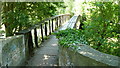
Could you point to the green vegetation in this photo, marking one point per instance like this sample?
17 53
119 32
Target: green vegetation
17 16
100 29
71 38
74 37
2 31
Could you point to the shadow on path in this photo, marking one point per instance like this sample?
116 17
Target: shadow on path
47 54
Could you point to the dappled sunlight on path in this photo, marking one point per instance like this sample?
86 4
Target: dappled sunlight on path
46 55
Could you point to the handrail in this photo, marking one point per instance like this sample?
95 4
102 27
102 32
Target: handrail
41 22
27 40
72 22
37 33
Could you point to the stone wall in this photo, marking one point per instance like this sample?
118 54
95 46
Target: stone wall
0 53
86 56
12 51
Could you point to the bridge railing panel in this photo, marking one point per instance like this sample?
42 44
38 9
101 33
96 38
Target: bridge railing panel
38 33
16 49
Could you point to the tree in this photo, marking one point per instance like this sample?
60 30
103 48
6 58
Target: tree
69 6
21 15
102 28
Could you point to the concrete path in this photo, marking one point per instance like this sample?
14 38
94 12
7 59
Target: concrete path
47 54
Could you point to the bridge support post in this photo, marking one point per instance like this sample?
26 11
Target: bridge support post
42 32
56 22
45 28
49 27
52 25
62 20
30 43
59 21
36 39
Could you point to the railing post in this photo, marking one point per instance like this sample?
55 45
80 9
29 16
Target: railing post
42 32
30 43
49 27
52 25
62 21
75 24
57 22
65 18
36 38
45 28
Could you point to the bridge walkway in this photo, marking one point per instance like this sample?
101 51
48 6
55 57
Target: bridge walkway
47 54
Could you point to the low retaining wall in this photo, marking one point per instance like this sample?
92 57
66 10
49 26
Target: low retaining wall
86 56
0 53
12 51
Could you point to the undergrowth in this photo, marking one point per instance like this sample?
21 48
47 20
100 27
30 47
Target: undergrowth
73 37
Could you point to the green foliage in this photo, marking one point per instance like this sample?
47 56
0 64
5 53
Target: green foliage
101 29
70 38
17 16
47 37
2 31
69 6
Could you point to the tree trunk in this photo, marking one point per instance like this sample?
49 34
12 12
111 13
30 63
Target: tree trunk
6 8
